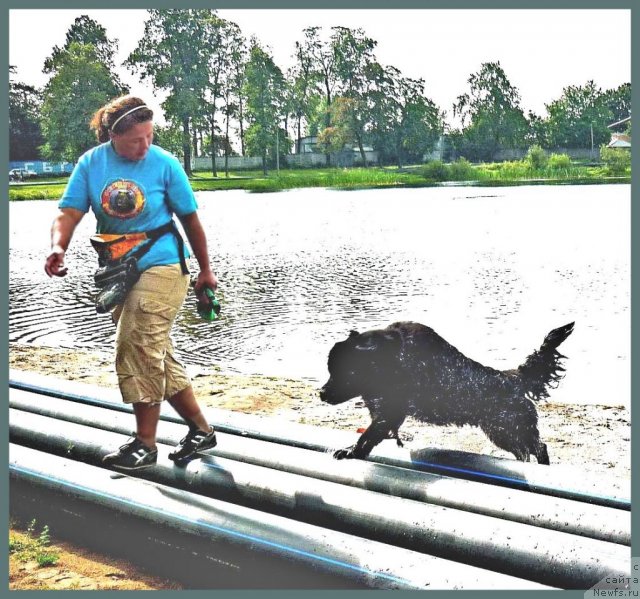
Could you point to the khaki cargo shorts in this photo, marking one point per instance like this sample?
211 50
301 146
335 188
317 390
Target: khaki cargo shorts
146 367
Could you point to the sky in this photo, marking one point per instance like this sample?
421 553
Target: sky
541 51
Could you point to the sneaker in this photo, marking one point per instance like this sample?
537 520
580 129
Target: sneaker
195 441
133 455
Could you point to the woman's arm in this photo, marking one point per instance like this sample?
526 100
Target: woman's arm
198 242
61 233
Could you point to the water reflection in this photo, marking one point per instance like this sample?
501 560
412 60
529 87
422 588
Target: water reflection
298 270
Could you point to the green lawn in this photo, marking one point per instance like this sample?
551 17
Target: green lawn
511 173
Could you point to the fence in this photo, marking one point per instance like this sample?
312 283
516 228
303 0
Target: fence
306 160
203 163
42 168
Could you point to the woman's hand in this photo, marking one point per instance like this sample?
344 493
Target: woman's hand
205 279
54 264
64 224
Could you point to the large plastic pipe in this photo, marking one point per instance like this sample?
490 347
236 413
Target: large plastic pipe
293 545
187 559
544 556
555 480
592 521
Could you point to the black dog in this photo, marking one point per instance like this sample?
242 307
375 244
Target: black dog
407 369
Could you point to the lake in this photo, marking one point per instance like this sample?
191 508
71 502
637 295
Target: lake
492 270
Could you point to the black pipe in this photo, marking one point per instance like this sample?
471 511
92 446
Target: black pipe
539 510
544 556
293 546
182 557
556 480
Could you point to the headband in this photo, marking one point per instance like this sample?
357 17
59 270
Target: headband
125 114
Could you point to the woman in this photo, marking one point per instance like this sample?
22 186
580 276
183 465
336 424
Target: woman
133 186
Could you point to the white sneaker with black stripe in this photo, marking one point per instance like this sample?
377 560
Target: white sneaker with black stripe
133 455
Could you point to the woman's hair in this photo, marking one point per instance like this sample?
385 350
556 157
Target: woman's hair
113 117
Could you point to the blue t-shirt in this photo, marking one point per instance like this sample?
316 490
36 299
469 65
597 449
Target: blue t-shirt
131 196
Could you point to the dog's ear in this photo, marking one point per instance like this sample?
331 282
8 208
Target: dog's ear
367 343
353 334
386 343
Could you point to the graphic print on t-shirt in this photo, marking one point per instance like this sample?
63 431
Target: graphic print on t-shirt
122 199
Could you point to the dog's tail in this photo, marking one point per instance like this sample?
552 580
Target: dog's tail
542 370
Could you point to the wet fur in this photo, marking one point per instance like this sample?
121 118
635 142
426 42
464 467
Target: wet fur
408 369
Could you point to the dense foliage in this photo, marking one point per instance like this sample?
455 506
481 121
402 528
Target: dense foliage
491 115
25 133
225 95
82 80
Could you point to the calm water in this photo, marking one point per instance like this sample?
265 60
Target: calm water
492 270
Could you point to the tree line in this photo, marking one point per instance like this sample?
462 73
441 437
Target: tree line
220 86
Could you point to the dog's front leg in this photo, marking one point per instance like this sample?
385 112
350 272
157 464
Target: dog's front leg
378 430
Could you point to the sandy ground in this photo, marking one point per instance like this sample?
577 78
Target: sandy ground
78 569
595 438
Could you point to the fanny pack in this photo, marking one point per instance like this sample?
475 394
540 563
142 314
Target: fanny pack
114 284
118 257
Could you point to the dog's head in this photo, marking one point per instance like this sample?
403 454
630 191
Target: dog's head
362 364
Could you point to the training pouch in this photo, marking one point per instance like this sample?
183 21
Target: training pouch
117 258
114 283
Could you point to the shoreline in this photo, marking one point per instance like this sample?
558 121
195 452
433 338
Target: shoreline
289 180
594 438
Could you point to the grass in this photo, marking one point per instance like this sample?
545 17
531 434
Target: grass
28 547
434 173
36 192
341 178
519 172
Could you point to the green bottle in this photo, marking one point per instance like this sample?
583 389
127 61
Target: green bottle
209 308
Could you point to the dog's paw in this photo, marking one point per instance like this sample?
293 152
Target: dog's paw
344 454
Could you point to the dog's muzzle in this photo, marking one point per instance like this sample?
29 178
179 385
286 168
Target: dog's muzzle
329 396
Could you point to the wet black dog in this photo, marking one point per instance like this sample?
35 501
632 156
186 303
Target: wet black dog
407 369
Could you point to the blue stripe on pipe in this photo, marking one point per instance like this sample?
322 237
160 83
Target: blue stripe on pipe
209 526
621 502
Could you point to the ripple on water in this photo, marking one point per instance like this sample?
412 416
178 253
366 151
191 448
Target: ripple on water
299 270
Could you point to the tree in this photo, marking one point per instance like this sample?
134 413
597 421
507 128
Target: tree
332 67
80 85
25 134
316 116
491 115
233 82
343 126
407 124
173 54
320 54
618 101
356 70
419 123
82 80
227 52
580 112
303 87
237 102
263 90
537 134
85 31
216 40
168 137
320 57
